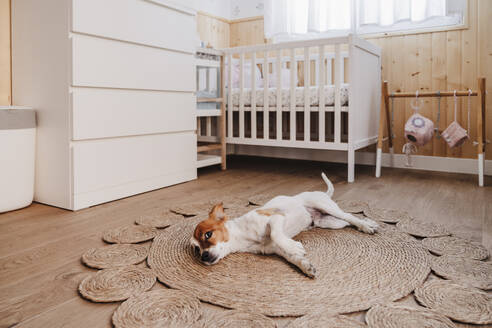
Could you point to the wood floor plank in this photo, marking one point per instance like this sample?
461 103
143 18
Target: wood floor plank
29 298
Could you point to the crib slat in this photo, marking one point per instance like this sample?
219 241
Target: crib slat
266 105
209 126
241 96
253 95
208 87
229 101
329 63
338 79
321 89
199 126
293 74
307 109
279 95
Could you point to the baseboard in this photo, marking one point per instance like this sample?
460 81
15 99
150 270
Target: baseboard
428 163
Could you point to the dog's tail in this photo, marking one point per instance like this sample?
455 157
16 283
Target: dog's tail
331 189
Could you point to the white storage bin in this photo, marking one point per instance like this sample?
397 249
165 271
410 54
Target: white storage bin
17 152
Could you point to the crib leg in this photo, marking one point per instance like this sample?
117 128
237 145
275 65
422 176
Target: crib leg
480 170
378 162
351 165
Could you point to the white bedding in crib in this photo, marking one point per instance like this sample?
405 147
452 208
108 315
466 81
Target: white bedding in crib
299 93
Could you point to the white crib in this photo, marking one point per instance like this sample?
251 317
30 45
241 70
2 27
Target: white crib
336 106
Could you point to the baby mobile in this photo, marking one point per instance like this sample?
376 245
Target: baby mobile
419 130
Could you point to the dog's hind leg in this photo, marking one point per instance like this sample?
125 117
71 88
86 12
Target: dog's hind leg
367 226
326 205
330 222
288 248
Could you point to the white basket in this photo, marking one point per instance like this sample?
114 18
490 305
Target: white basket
17 147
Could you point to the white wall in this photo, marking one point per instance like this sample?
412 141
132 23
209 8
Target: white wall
221 8
231 9
246 8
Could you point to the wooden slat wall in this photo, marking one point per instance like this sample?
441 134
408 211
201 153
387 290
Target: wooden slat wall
247 32
426 61
213 30
5 53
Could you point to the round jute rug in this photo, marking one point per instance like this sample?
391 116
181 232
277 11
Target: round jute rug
236 319
355 271
422 228
465 304
451 245
390 231
129 234
386 215
352 206
325 319
117 284
161 220
466 271
115 255
397 316
158 308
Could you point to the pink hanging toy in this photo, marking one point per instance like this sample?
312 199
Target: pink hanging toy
418 130
454 134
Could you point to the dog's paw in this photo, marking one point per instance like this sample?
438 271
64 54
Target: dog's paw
373 224
369 226
309 270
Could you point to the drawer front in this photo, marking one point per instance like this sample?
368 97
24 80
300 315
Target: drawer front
103 113
138 21
123 163
115 64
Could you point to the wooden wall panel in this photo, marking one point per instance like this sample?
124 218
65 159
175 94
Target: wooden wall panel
439 82
213 30
5 86
443 60
247 32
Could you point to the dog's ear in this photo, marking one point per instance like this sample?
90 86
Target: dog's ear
217 212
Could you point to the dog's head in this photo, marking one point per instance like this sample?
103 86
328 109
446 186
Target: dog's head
210 236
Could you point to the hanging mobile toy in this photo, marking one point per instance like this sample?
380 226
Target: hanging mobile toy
454 134
419 130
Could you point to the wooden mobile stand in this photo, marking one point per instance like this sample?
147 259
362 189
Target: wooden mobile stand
385 116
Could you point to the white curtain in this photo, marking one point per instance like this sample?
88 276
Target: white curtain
305 17
296 17
389 12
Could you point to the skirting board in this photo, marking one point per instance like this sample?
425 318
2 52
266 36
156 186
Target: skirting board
428 163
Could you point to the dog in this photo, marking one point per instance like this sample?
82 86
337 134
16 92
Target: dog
270 228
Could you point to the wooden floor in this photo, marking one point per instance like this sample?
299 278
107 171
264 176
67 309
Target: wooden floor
40 246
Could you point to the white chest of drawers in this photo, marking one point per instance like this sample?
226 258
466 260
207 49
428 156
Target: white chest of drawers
113 85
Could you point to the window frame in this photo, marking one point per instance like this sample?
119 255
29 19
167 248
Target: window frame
373 35
421 30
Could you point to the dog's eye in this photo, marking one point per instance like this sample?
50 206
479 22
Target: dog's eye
208 235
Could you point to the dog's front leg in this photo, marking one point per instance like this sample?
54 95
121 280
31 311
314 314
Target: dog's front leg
289 249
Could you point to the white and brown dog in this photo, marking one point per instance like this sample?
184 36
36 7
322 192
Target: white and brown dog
270 228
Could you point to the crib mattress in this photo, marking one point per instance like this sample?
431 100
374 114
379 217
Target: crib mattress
299 95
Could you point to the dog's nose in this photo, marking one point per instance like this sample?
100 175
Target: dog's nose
205 256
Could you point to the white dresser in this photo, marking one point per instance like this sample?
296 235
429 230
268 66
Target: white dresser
113 85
